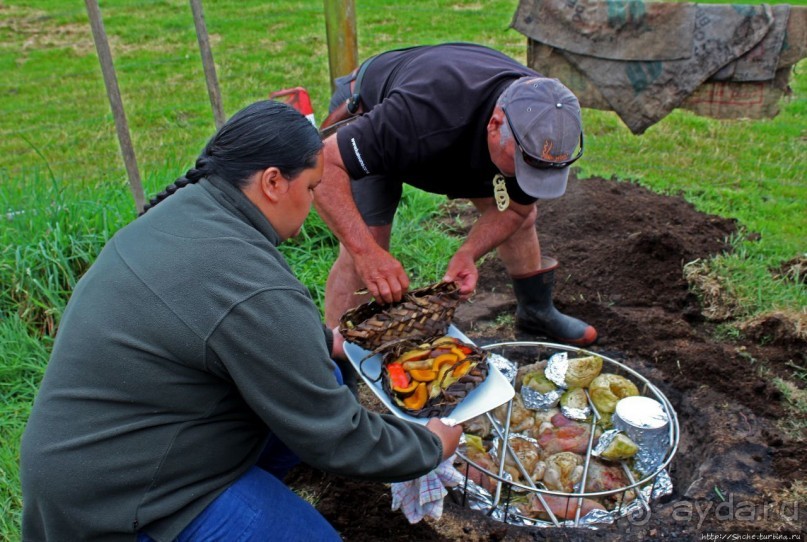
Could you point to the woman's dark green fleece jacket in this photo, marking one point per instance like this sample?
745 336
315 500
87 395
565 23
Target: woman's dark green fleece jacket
185 344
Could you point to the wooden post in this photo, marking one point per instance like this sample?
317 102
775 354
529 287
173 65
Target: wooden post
115 102
207 62
340 28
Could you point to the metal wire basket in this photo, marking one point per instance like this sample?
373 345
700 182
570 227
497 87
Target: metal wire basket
500 503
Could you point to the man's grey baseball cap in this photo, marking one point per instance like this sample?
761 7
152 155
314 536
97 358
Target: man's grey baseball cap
544 117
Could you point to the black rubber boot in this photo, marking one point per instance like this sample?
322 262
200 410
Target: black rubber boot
537 314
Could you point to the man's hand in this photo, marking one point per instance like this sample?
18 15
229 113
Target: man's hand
383 275
462 270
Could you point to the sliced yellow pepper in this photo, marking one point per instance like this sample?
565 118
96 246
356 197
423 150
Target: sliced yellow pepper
459 353
462 369
421 364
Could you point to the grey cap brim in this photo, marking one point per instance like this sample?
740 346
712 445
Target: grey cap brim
540 183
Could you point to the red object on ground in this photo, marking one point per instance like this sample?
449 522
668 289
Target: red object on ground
298 98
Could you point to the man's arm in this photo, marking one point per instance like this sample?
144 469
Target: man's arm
491 229
383 275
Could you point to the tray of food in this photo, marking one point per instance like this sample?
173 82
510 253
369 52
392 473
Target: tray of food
443 376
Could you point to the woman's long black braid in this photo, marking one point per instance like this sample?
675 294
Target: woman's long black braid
263 134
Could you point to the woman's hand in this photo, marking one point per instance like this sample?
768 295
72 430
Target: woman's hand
449 436
338 345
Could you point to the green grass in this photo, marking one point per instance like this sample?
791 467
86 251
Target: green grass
63 187
24 355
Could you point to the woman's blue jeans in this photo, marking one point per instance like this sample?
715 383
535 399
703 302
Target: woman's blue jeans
259 507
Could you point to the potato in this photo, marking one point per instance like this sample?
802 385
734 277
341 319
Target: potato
582 371
607 389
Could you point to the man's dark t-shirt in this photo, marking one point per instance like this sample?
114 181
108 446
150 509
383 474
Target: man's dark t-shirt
427 112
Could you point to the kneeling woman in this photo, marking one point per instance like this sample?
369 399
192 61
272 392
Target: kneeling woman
187 347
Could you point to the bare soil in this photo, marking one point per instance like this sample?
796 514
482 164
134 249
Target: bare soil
622 251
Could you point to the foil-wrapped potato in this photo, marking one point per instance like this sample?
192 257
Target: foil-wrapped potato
574 398
538 381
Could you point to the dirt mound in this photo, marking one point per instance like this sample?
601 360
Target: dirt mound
622 251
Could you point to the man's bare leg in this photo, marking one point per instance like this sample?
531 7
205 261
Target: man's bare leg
533 280
343 280
521 253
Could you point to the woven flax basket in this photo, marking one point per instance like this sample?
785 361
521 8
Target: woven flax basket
421 314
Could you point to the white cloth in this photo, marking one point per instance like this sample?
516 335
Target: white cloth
423 496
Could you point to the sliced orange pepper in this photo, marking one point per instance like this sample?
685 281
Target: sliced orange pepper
423 375
417 400
407 390
444 359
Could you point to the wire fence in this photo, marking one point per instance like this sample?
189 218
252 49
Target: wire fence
33 139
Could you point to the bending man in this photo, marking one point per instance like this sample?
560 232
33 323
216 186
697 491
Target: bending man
461 120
